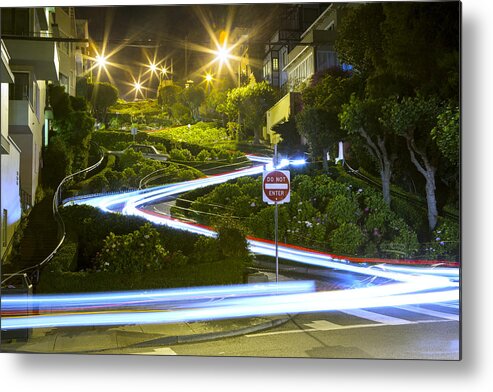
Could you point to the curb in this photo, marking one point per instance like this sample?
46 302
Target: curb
172 340
195 338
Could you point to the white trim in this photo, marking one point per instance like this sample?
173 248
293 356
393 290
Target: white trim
322 15
298 55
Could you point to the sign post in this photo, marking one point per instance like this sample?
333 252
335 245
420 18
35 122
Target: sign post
276 189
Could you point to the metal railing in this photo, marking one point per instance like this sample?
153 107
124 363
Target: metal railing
34 270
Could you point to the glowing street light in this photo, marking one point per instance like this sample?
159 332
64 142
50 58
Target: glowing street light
101 61
137 86
208 78
153 67
223 54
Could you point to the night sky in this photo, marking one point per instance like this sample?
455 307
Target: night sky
169 27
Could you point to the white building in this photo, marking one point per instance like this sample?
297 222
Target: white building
29 61
315 52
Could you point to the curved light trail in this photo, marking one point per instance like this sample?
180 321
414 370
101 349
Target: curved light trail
411 285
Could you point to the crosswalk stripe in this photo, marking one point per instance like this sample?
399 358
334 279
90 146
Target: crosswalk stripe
159 351
377 317
430 312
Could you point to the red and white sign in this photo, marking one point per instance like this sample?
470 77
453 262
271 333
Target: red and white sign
276 187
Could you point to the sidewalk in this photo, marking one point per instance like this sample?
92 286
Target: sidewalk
111 340
119 339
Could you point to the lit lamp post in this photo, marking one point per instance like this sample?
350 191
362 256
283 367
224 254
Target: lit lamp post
48 119
138 88
100 62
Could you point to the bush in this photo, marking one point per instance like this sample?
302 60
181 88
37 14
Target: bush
65 259
342 209
346 239
57 162
224 272
203 156
446 241
178 154
134 252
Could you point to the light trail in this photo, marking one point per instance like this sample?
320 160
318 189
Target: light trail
162 297
416 285
246 307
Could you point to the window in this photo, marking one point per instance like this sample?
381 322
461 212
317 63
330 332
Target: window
275 64
284 58
326 59
15 21
4 228
19 91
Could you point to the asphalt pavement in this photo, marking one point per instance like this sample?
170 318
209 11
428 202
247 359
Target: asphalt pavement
101 339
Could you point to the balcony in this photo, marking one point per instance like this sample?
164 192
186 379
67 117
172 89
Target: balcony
281 112
22 119
6 75
41 55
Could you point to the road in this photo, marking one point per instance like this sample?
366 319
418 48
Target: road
405 312
415 332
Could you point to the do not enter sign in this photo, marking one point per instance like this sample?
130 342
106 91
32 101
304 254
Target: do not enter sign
276 187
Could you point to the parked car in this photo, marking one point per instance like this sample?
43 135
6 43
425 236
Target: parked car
147 151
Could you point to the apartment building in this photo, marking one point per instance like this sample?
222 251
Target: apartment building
292 23
10 202
73 58
29 61
314 52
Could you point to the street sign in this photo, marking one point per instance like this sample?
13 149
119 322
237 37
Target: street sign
133 131
276 187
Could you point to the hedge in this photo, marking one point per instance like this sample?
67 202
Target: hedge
225 272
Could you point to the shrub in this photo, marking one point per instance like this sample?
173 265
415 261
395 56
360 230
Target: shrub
342 209
445 244
57 162
134 252
203 156
65 259
224 272
346 239
181 155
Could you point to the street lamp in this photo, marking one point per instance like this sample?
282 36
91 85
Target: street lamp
153 67
101 61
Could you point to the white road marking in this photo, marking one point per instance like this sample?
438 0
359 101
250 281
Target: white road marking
323 325
379 318
342 327
159 351
430 312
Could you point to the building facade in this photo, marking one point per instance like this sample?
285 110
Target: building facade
314 52
29 61
292 23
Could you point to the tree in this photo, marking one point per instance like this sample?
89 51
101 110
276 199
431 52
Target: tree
312 124
168 95
401 50
248 105
102 96
414 119
446 134
318 122
60 102
361 117
193 97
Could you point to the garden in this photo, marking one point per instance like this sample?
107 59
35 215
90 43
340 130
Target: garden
106 252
